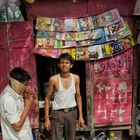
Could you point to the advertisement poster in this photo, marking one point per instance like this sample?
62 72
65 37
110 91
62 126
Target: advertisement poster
113 89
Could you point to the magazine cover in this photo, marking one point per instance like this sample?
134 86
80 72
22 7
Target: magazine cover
117 35
64 36
81 54
40 43
41 33
70 36
59 36
95 52
58 25
56 53
44 42
123 34
83 35
128 42
64 44
117 47
108 18
83 24
71 51
70 25
44 23
83 43
106 50
93 23
58 44
44 52
98 36
117 27
69 44
53 53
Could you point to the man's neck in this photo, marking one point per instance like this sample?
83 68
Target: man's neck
64 75
15 89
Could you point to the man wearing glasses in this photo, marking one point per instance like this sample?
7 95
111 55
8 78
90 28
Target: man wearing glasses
15 103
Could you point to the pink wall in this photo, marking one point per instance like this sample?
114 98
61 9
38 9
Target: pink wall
16 49
66 8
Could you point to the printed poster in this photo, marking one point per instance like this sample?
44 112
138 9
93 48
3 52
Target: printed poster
113 100
113 89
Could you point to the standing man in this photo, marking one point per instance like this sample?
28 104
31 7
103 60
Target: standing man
14 109
66 88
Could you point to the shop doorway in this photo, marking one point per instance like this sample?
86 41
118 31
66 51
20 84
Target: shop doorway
47 67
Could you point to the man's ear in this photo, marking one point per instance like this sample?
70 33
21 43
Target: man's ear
58 65
11 79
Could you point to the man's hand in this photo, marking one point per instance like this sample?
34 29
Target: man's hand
47 123
81 122
28 99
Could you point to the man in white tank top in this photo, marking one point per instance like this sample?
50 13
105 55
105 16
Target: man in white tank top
67 99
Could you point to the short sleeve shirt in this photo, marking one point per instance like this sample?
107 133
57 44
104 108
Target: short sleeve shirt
11 108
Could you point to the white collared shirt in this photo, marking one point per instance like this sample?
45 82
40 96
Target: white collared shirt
11 108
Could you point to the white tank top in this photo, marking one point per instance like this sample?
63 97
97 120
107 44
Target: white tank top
64 98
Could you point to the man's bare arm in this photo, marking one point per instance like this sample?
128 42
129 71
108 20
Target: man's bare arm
28 102
47 102
79 100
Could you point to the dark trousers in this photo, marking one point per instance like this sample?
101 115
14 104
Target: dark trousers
63 123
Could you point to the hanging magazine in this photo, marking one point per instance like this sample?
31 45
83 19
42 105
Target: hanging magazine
108 18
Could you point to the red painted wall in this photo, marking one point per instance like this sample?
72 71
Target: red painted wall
66 8
16 49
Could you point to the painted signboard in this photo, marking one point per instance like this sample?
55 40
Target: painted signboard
113 89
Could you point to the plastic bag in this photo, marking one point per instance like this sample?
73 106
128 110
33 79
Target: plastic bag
101 136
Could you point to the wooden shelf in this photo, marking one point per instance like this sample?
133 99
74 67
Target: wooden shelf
113 128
